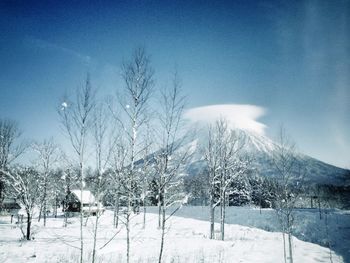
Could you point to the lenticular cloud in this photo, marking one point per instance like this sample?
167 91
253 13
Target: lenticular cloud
238 116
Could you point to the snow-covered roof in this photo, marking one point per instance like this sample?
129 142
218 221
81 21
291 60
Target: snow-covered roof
88 197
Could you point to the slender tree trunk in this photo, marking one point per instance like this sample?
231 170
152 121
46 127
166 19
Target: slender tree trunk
289 233
222 220
45 212
130 190
128 213
144 193
290 247
144 214
65 219
319 207
128 237
312 205
159 207
96 222
162 238
45 204
40 212
163 230
118 204
81 213
260 201
221 210
56 204
222 182
284 247
129 210
29 222
2 188
212 213
95 237
116 211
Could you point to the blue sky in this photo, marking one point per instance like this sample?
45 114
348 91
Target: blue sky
291 58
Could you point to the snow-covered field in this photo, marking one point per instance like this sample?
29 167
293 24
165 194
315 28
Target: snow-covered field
331 230
186 241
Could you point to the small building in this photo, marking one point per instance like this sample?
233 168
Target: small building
10 206
73 201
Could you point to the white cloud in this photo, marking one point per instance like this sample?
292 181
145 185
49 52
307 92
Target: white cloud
39 43
241 116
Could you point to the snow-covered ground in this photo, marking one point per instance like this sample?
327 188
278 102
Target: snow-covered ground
186 241
332 229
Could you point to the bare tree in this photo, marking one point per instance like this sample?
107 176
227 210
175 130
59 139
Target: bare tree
138 78
225 163
104 145
290 172
171 156
77 120
25 185
146 170
48 156
10 150
213 166
117 164
234 164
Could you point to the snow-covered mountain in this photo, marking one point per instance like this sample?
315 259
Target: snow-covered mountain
244 118
261 149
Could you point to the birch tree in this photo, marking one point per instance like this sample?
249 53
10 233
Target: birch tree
234 169
171 156
104 144
147 170
290 172
76 118
213 166
10 149
47 157
137 74
225 163
117 164
25 183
